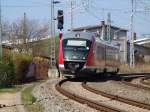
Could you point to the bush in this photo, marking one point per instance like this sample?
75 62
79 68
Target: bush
7 72
41 69
22 62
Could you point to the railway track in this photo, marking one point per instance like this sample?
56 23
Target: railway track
115 97
142 83
94 103
145 82
136 85
83 100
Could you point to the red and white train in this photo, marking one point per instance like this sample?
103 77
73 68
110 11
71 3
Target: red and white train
83 51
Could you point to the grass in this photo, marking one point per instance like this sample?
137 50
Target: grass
27 96
140 68
11 89
28 99
34 108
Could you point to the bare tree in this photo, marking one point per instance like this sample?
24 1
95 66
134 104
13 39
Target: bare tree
22 32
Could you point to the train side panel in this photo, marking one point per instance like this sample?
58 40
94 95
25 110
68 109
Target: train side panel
104 58
90 62
100 56
112 58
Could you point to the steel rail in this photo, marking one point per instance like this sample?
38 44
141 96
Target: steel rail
116 97
136 85
82 100
143 81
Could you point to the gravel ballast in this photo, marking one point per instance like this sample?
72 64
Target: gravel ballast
120 89
77 89
52 101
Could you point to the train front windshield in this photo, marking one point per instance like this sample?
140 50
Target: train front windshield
76 49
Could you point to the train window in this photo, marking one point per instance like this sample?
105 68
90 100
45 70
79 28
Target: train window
76 43
76 49
112 53
100 52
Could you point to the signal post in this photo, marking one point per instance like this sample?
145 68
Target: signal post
60 20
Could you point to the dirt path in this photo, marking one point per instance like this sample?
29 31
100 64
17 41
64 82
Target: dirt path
7 98
20 108
10 99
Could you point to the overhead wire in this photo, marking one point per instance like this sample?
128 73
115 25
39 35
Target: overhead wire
30 2
98 11
141 17
25 4
93 15
94 10
22 6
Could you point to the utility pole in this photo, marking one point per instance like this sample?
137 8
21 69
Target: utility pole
24 29
108 26
71 4
1 32
52 32
132 59
103 14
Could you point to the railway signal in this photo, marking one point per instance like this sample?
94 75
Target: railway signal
60 19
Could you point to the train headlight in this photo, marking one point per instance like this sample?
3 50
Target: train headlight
87 48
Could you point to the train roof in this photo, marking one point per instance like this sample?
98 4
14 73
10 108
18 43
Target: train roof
89 36
85 35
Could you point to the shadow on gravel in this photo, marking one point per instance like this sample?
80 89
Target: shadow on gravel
95 78
105 77
135 74
131 76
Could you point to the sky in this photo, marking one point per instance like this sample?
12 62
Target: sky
85 12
